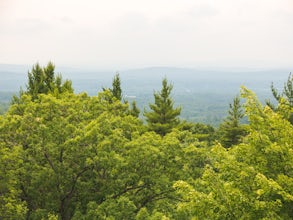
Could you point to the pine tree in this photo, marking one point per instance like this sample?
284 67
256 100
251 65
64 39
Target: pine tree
134 110
116 87
49 75
163 116
36 80
231 130
43 81
286 94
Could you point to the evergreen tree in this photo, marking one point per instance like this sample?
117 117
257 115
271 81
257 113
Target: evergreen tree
134 110
163 116
43 81
116 87
116 91
286 94
231 130
49 75
36 80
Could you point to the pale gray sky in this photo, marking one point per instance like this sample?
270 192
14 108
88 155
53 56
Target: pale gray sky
140 33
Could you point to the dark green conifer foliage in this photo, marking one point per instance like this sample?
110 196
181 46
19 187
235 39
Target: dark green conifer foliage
36 81
116 87
49 75
43 81
134 110
288 90
286 94
231 130
163 116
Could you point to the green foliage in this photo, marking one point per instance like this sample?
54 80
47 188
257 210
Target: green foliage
203 132
117 93
57 151
163 116
43 81
3 107
286 96
116 90
72 156
134 110
116 87
11 205
248 181
120 208
287 92
231 130
79 150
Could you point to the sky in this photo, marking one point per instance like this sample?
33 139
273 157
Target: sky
120 34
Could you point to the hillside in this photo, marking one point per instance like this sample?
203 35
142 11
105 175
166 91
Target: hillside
203 94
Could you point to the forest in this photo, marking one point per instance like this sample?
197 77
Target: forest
67 155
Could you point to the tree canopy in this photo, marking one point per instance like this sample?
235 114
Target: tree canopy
42 80
74 156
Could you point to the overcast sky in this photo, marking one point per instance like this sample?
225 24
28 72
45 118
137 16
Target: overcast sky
140 33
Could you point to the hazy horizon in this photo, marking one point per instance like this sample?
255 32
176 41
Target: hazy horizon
203 95
75 68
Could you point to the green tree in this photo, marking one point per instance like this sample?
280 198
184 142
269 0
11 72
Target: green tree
11 204
203 132
162 116
42 80
286 94
231 130
84 156
71 147
73 156
253 180
116 91
134 110
116 87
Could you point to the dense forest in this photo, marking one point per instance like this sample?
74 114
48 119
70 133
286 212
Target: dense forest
75 156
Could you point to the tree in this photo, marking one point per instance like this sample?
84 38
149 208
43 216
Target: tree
163 116
252 180
286 94
11 205
70 147
203 132
116 87
134 110
116 91
42 80
74 156
231 131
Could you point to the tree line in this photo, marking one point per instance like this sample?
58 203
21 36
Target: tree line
74 156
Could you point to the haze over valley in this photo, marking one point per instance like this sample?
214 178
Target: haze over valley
204 95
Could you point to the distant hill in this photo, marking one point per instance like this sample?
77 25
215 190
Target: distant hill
203 94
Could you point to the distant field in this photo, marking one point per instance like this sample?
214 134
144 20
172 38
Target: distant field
203 95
